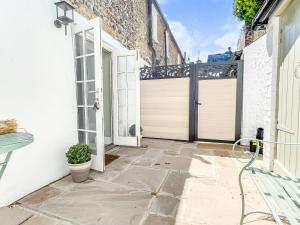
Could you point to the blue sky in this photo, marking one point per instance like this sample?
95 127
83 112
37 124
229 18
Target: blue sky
202 27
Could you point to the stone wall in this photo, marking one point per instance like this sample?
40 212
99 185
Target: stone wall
127 21
248 36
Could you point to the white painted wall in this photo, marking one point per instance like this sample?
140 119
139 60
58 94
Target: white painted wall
257 79
258 104
37 87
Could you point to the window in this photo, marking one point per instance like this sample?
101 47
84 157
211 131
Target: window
167 44
154 23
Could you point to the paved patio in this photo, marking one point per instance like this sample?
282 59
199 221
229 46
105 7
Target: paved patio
166 183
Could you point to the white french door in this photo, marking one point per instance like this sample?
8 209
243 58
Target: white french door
126 92
87 53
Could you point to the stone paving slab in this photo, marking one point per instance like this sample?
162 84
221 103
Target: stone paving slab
161 144
64 184
149 158
100 203
175 183
41 220
194 152
215 204
164 205
203 166
38 198
173 163
172 151
130 152
113 170
13 216
158 220
142 178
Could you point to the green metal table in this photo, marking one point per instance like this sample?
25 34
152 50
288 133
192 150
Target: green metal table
11 142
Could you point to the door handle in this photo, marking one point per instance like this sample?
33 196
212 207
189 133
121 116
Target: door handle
96 105
96 92
92 92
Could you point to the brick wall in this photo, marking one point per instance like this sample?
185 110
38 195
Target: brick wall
127 21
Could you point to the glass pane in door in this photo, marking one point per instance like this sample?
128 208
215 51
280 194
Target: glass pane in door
107 96
126 88
90 68
86 91
89 41
78 44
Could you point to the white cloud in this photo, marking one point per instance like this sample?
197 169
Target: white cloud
197 45
232 30
188 41
227 40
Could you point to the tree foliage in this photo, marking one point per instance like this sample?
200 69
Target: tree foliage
246 9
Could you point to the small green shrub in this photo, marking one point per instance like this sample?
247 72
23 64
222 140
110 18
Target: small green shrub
79 153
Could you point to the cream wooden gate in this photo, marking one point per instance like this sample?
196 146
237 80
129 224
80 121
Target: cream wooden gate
165 102
218 97
288 126
217 112
170 97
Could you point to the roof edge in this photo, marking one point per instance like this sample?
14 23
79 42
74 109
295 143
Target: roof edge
264 13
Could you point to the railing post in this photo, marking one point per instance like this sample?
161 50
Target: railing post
192 103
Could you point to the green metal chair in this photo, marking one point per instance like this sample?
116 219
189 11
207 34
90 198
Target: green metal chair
280 193
11 142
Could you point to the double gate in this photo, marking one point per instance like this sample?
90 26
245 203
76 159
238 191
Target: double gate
192 101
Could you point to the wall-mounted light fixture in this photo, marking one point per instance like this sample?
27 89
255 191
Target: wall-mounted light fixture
64 14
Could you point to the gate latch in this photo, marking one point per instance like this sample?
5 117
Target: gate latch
198 103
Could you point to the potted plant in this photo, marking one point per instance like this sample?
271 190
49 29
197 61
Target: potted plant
79 159
132 130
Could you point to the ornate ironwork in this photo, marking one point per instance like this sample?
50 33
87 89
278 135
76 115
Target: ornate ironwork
165 72
216 70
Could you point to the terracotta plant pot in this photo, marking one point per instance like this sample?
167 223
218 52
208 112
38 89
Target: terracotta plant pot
80 172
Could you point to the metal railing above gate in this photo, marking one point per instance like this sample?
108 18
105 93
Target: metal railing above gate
215 70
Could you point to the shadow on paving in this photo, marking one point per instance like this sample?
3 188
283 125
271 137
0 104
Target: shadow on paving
167 183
